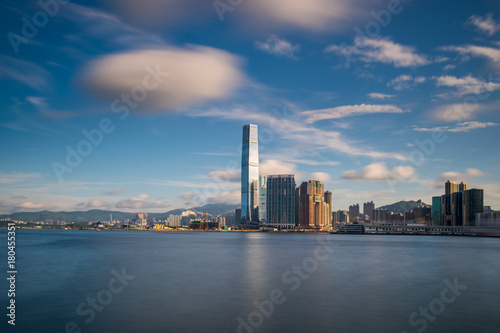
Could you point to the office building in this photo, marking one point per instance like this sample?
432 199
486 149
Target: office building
262 198
280 203
250 175
237 216
436 211
450 187
368 208
314 211
459 208
353 212
329 208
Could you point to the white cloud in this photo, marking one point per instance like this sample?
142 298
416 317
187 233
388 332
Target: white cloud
277 46
139 202
275 167
311 15
467 85
457 112
405 82
459 176
31 205
230 175
484 24
449 66
381 50
323 176
379 171
178 81
228 197
380 96
460 127
493 54
115 191
349 111
17 177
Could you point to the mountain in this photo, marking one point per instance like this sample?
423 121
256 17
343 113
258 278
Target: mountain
403 206
103 215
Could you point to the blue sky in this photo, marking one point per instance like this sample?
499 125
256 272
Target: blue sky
139 106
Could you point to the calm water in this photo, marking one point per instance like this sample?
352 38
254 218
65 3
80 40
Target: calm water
212 282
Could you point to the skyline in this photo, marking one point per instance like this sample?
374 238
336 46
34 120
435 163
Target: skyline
380 102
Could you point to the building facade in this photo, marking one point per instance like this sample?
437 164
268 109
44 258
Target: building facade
314 210
459 208
250 175
262 198
368 208
353 212
280 203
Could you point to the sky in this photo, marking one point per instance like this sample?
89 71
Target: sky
139 106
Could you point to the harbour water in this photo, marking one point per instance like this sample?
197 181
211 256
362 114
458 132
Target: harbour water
126 281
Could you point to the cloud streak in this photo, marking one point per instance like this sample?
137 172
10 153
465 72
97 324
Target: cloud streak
381 50
349 111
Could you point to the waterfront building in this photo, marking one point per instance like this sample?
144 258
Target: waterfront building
353 212
314 211
436 210
250 175
368 208
280 203
262 198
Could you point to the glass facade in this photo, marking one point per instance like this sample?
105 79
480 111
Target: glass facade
281 201
250 174
436 210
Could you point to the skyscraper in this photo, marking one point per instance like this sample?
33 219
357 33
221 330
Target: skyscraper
262 198
250 174
450 187
313 208
280 208
329 208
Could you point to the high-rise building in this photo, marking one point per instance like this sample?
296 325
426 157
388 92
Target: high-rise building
462 187
329 208
450 187
312 204
459 208
280 208
368 208
237 216
353 212
250 175
262 198
436 211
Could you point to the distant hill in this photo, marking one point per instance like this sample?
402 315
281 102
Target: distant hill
403 206
103 215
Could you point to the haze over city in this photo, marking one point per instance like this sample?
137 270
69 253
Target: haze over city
120 106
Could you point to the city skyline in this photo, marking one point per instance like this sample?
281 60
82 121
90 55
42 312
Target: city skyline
102 109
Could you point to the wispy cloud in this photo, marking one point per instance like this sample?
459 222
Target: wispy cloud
382 50
349 111
460 127
379 171
296 131
25 72
405 82
491 53
17 177
380 96
278 46
484 24
467 84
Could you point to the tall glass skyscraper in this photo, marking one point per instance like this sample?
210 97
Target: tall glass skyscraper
250 175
